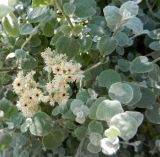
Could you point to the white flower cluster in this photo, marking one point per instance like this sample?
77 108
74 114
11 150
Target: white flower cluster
64 71
27 88
29 94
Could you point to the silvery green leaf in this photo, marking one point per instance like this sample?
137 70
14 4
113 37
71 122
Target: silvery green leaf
27 29
155 73
5 138
94 106
95 138
39 14
155 34
126 124
69 8
41 124
135 24
122 39
155 45
123 65
112 15
131 7
141 64
106 45
93 149
95 126
85 8
122 92
83 95
148 99
108 77
53 139
137 95
67 45
107 109
80 132
80 117
75 105
137 116
153 115
4 10
24 127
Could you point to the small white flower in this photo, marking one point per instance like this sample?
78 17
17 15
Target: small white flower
19 83
61 97
57 69
70 78
109 145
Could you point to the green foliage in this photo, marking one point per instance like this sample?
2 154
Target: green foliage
116 94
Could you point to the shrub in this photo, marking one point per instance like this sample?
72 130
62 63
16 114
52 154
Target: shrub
79 78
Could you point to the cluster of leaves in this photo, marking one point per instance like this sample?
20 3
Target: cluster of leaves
118 44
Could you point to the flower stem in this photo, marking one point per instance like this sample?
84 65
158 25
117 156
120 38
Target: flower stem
29 38
60 6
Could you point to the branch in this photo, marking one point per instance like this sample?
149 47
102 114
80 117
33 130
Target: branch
151 11
156 60
95 66
79 149
10 69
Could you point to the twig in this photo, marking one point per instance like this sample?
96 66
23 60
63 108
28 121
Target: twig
93 67
10 69
156 60
96 65
150 10
79 149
